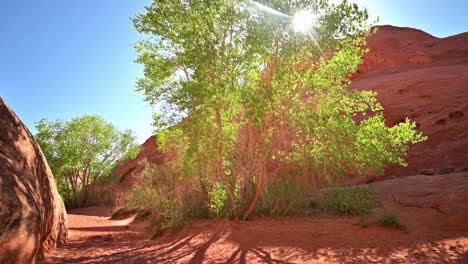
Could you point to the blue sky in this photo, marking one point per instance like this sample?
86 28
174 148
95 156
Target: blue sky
66 58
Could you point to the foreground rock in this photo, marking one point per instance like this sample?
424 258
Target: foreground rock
438 202
32 215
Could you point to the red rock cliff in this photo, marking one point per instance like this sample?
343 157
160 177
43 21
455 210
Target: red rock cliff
424 78
149 151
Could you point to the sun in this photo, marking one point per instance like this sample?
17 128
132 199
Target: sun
303 21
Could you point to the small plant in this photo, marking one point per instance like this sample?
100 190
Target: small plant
391 220
343 200
363 222
219 201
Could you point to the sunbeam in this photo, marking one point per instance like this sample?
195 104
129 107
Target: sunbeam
269 10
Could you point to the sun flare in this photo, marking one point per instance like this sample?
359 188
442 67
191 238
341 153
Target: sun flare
303 21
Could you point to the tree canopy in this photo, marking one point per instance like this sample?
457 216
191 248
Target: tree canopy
245 99
81 151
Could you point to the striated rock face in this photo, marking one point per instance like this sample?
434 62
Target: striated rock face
32 215
436 202
424 78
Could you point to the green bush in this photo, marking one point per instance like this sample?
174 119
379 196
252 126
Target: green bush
344 200
110 178
391 220
170 201
219 201
284 196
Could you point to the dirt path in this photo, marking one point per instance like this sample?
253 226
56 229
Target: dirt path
96 239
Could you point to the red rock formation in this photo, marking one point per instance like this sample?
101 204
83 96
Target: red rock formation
438 202
149 151
424 78
32 215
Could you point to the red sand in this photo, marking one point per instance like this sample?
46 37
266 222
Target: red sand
96 239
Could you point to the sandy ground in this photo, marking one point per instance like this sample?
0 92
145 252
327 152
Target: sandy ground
96 239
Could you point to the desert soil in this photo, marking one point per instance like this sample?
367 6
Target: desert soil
94 238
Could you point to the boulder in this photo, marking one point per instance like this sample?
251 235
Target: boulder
32 214
437 202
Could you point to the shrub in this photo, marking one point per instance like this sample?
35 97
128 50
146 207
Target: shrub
345 200
391 220
110 178
363 222
219 201
170 201
100 196
284 196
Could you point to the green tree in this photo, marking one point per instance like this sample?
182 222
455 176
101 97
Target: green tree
81 151
238 89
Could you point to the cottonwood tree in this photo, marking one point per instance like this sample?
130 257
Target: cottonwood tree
81 151
237 89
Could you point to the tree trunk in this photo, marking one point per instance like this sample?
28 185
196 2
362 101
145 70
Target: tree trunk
260 181
75 188
220 166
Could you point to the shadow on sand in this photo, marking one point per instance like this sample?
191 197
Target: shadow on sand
276 242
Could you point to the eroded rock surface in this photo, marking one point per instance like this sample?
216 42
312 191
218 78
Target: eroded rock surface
436 201
32 215
424 78
149 151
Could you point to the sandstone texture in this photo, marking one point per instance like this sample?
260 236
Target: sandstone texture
149 152
438 202
425 79
32 214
